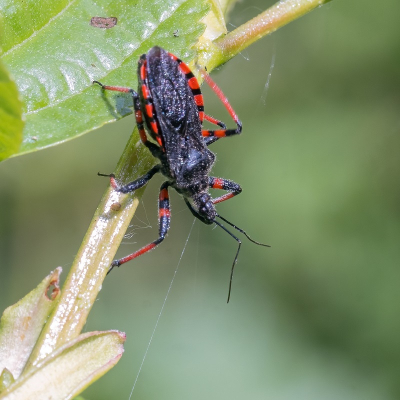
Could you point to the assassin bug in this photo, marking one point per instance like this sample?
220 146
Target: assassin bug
169 104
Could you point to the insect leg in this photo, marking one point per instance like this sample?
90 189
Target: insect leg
214 121
134 185
164 220
224 184
222 97
212 136
138 114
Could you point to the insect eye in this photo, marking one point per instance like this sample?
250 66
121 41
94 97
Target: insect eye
204 199
206 205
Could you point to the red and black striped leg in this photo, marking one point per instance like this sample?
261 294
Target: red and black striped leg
222 97
164 220
225 184
206 133
212 136
214 121
118 89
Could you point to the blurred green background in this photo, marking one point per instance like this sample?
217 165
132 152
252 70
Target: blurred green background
317 316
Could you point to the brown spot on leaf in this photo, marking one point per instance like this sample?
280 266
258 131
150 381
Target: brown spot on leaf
52 290
103 22
25 322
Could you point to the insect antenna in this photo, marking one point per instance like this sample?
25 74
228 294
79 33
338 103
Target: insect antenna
239 244
235 259
242 231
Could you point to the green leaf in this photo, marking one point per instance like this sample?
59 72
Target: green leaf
22 323
215 22
70 369
11 123
55 54
6 379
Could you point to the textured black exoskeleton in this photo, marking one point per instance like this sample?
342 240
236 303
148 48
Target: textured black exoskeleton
170 105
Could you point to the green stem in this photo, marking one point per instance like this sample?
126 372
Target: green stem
280 14
95 255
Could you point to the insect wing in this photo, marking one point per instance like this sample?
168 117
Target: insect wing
174 107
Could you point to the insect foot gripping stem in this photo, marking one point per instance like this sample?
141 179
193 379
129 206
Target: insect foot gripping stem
113 182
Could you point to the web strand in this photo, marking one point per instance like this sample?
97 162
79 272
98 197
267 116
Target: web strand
271 68
161 311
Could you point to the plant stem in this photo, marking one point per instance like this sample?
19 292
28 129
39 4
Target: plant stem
95 255
280 14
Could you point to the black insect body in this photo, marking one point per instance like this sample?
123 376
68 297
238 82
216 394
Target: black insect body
169 104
